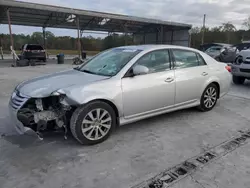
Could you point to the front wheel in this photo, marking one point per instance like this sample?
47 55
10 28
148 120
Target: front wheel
209 98
93 122
238 80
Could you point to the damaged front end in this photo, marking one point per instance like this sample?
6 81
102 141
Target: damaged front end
42 114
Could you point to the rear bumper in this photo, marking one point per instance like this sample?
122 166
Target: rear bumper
34 56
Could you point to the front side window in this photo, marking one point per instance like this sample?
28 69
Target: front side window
185 58
156 61
110 62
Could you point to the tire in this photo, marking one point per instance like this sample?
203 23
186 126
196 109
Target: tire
238 60
238 80
212 92
92 123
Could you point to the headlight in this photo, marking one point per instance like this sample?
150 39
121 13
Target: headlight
60 94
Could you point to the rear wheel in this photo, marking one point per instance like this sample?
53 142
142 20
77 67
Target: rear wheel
93 122
238 80
209 98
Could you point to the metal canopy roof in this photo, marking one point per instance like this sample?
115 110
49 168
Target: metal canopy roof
31 14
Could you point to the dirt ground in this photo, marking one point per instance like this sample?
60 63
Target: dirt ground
134 153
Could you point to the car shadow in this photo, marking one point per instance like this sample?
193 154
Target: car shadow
27 141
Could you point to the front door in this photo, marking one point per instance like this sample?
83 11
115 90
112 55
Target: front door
151 92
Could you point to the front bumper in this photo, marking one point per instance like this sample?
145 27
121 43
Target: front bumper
17 124
236 71
17 100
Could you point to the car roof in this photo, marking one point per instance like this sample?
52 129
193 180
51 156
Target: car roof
214 44
154 47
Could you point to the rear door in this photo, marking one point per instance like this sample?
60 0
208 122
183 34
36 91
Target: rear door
191 72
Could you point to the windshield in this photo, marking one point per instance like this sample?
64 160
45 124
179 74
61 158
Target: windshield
110 62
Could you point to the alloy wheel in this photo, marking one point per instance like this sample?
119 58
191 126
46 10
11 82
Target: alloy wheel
96 124
210 97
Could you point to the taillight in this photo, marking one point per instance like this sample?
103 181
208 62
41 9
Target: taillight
228 68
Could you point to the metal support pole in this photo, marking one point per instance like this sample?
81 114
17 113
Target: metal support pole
78 35
11 37
203 29
44 40
1 47
190 40
144 38
1 51
157 36
172 37
162 34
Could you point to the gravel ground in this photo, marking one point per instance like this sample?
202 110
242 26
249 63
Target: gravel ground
132 154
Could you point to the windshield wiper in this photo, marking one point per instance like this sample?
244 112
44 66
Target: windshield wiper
76 68
87 71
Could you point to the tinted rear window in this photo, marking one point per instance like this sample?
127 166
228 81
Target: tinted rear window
34 47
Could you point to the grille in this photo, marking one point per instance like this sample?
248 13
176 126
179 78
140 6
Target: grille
17 100
245 70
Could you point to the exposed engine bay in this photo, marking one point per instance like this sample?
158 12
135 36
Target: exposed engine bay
45 114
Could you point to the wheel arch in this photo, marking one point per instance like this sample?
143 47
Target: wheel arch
218 87
110 103
212 80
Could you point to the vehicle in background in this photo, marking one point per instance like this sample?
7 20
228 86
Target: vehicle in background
204 47
214 51
227 55
241 67
119 86
242 46
33 52
230 53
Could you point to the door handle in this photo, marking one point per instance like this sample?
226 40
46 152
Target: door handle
204 74
169 80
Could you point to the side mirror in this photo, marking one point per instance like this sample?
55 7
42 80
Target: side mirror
140 69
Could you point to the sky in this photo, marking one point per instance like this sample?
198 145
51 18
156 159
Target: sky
184 11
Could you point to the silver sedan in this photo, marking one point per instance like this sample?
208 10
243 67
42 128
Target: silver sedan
117 87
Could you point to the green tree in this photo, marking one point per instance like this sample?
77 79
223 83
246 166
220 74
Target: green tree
228 28
37 38
195 30
246 23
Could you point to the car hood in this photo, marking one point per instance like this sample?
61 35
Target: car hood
43 86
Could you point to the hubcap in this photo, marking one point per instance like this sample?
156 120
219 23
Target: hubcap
96 124
210 97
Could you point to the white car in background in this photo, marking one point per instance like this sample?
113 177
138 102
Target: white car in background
241 67
117 87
